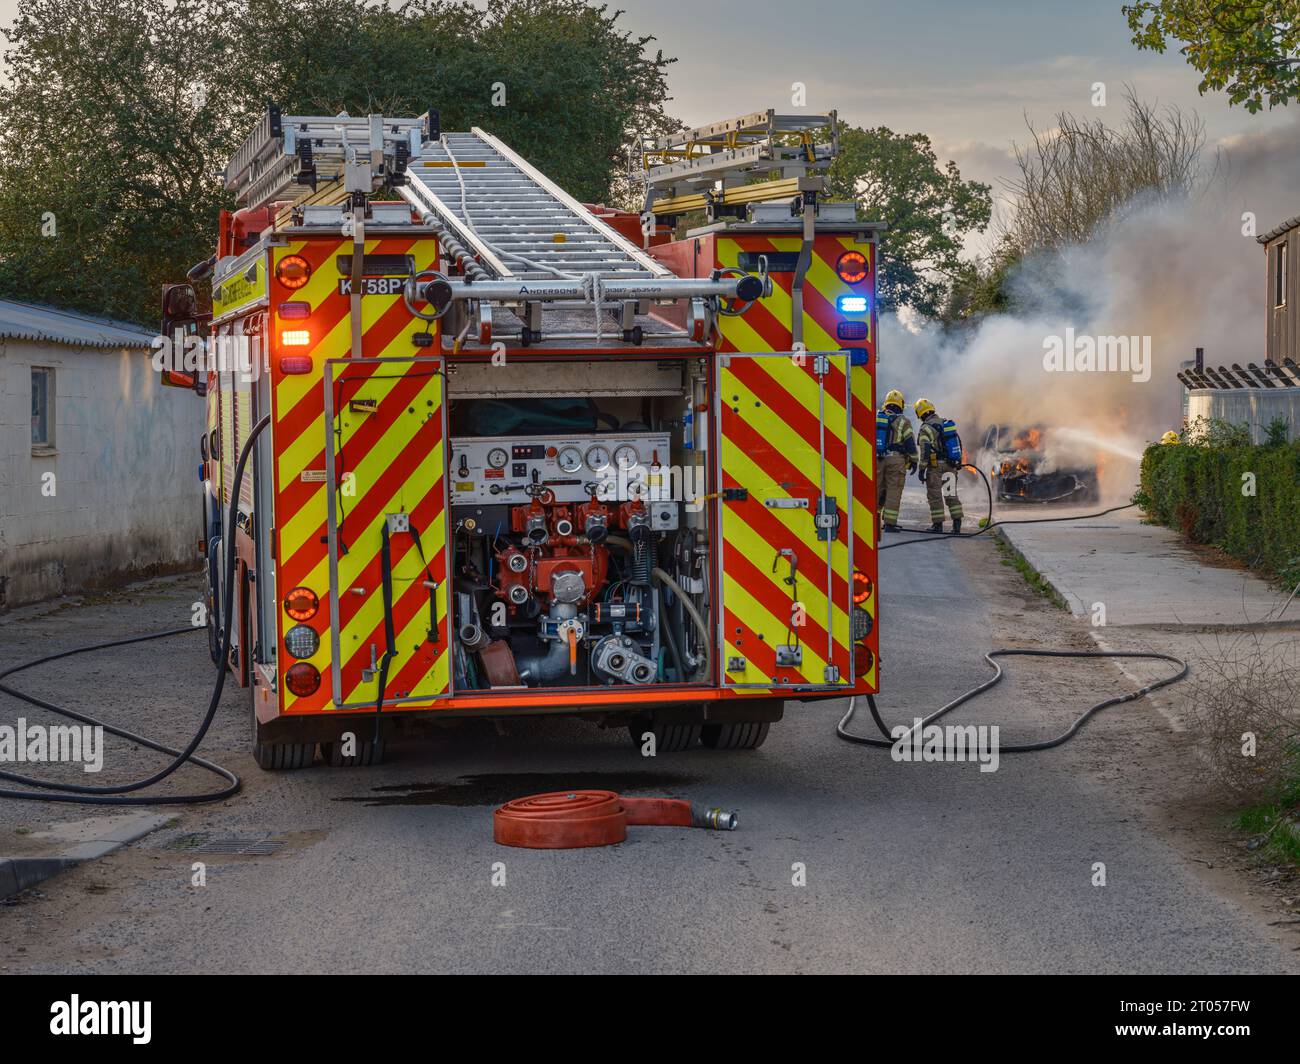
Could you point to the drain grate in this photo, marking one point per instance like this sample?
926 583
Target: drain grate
229 845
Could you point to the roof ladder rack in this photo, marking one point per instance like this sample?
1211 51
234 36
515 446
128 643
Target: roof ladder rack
293 158
717 165
516 221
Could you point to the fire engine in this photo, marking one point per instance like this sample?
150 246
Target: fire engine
526 455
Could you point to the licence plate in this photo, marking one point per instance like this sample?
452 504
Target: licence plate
373 286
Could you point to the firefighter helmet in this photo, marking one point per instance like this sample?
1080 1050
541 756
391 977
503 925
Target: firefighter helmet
923 407
1169 437
895 398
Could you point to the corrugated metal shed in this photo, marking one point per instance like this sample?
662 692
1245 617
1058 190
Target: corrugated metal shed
30 321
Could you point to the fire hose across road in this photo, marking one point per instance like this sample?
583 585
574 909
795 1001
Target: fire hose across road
895 736
557 820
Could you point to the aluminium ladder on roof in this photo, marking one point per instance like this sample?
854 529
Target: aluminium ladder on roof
720 163
520 240
751 144
288 158
520 224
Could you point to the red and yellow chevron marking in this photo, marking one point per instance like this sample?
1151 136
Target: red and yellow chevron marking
766 327
242 398
229 451
391 458
300 437
771 443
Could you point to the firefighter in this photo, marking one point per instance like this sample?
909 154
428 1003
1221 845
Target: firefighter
896 455
1169 437
936 465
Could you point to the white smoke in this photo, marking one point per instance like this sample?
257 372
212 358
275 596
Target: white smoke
1184 274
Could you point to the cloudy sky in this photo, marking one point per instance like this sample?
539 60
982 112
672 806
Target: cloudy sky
966 72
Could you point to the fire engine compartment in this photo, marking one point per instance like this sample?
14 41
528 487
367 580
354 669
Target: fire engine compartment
579 526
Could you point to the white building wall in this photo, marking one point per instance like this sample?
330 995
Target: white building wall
1255 407
124 499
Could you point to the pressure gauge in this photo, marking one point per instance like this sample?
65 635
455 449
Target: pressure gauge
597 458
570 459
497 458
626 456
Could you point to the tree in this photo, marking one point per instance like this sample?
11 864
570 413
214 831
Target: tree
1248 48
896 178
110 139
1076 177
981 285
557 80
120 116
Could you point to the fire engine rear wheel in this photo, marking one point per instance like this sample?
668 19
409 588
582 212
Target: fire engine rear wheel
369 752
669 738
277 756
743 735
215 631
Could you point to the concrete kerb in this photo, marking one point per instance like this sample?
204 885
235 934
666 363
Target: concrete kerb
20 873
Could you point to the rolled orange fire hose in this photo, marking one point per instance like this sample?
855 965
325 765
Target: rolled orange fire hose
565 820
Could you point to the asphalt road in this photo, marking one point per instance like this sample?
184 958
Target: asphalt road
906 867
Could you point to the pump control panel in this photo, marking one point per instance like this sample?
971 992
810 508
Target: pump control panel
516 469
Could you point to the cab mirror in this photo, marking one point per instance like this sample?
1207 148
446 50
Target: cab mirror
173 379
180 307
181 317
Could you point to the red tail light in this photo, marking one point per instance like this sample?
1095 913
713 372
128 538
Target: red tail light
301 604
302 679
293 271
861 587
852 267
863 660
291 364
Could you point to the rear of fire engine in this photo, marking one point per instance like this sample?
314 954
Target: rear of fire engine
524 455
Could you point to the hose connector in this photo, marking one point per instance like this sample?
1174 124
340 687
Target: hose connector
713 819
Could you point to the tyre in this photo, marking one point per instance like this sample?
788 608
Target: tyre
368 752
275 757
669 738
743 735
215 631
278 757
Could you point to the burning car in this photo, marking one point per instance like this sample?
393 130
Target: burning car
1037 465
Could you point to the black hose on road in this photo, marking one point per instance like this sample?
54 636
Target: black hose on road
1007 652
888 742
929 537
119 794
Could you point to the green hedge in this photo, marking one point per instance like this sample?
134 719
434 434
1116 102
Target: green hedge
1197 488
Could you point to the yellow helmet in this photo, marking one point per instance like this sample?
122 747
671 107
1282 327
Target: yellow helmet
1169 437
923 407
895 398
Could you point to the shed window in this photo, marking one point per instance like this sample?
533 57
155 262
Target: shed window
1279 274
42 407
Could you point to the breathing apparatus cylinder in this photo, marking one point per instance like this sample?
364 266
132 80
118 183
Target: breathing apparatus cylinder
884 423
952 448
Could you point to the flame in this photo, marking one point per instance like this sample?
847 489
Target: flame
1029 440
